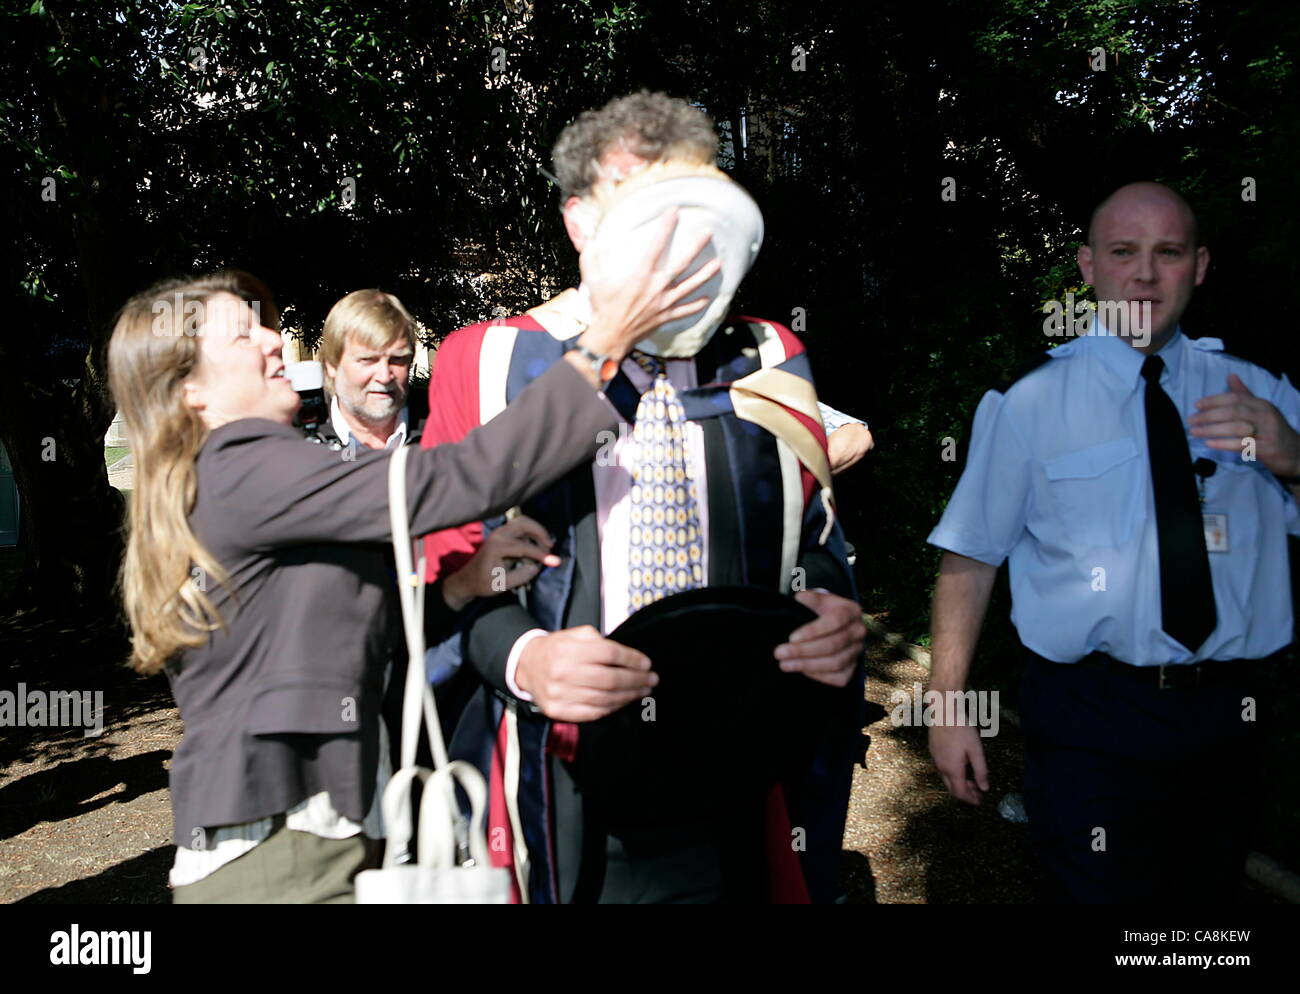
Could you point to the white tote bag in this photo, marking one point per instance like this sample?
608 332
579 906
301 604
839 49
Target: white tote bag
438 877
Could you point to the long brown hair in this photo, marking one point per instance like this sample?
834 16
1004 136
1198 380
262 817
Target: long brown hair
154 349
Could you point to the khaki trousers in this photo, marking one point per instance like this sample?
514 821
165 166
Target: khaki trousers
288 867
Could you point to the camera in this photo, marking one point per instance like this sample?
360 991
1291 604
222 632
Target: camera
308 378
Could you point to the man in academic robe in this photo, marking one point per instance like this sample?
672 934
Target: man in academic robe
719 477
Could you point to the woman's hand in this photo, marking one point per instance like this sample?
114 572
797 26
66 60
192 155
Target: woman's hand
626 311
509 557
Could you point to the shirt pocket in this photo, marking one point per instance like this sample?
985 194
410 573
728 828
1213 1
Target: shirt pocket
1242 491
1094 492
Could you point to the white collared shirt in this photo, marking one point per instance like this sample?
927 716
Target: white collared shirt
1058 480
344 431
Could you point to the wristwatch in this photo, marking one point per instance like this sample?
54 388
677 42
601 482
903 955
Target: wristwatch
603 366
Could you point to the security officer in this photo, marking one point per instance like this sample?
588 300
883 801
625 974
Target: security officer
1142 485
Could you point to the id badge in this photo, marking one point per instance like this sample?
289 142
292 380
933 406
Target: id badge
1216 531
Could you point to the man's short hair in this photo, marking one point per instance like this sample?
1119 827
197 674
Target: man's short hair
1193 222
372 317
653 126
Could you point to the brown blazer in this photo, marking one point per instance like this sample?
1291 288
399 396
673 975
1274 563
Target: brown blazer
284 701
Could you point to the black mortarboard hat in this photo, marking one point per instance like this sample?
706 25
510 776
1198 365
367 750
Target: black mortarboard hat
724 722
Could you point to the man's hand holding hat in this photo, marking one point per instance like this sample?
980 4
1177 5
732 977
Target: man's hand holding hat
826 650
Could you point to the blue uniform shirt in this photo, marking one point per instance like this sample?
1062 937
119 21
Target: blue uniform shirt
1058 479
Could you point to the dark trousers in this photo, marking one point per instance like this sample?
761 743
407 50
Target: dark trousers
681 870
1137 794
717 860
711 863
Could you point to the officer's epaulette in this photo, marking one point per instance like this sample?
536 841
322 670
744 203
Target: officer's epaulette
1001 385
1215 345
1007 380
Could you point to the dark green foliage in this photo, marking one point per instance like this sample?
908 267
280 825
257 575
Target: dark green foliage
187 136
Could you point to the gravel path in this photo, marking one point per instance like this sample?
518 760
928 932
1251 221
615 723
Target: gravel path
907 841
87 820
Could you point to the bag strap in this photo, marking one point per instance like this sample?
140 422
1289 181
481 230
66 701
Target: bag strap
440 826
418 700
443 830
398 808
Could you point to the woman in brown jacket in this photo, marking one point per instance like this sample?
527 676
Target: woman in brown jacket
256 574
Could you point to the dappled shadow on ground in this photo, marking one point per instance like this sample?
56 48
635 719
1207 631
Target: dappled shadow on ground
970 854
933 848
857 883
73 805
141 880
126 701
78 787
40 653
35 633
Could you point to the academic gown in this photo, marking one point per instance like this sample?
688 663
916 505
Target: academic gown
766 513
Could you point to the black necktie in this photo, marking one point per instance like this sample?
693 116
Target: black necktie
1186 591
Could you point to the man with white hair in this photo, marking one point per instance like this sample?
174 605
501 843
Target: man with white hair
722 439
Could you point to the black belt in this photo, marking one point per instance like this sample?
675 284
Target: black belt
1171 676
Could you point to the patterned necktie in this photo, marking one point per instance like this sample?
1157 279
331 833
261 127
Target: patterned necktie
1187 610
666 552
